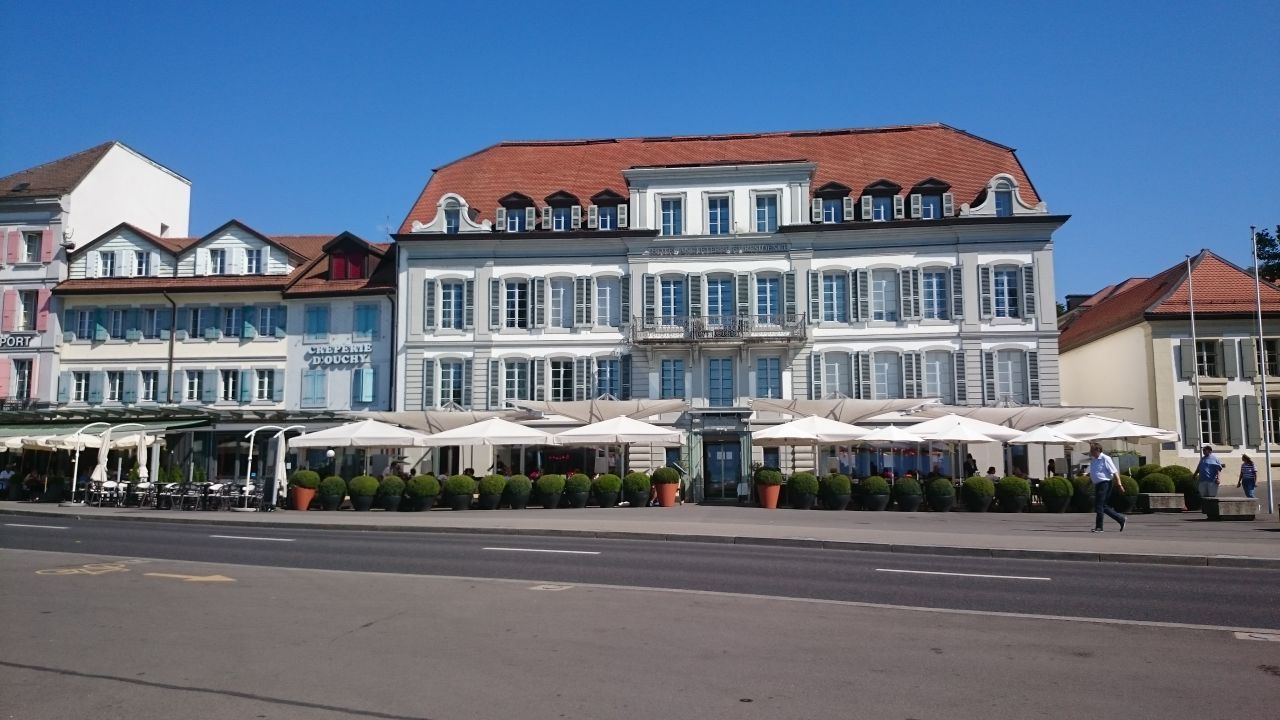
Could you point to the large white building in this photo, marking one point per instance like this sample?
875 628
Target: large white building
44 212
902 262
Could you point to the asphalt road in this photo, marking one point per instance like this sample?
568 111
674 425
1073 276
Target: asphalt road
1210 596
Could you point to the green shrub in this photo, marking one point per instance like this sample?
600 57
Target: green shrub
665 476
768 476
1130 485
1013 487
803 483
460 485
577 483
837 484
941 487
391 486
308 479
333 485
635 482
608 483
978 485
906 487
1144 470
1156 483
1058 487
493 484
875 485
1184 480
363 486
1082 485
423 486
551 484
519 485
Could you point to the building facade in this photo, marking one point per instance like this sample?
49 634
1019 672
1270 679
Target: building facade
44 211
911 262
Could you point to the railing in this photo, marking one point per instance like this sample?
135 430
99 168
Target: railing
727 328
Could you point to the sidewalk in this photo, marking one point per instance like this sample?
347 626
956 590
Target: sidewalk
1183 539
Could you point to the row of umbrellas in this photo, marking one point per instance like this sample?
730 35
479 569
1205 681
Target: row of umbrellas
620 430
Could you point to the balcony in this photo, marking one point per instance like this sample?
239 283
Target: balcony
719 330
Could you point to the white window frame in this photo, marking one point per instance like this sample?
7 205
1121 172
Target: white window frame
1006 289
560 302
885 295
148 384
515 380
453 382
776 197
31 247
141 263
662 215
253 261
938 374
218 261
266 317
20 389
79 386
264 384
453 300
834 305
560 379
115 323
935 306
107 264
886 372
113 390
85 324
515 303
27 310
561 218
1011 375
725 222
769 289
608 301
667 286
725 298
195 385
229 385
678 367
771 370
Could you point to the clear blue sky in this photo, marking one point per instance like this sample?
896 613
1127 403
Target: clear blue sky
1156 125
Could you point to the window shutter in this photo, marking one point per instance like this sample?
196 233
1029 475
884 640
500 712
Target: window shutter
182 324
743 285
249 316
909 293
46 245
1249 358
910 387
202 261
538 296
1230 365
948 205
789 295
1187 358
281 317
277 386
624 299
495 304
1029 291
308 398
1033 376
246 386
129 391
1235 432
863 362
546 219
650 292
989 378
164 321
466 384
93 268
494 398
917 205
209 393
68 325
153 265
815 376
95 388
866 207
100 325
582 315
863 294
162 387
958 373
428 383
575 217
984 274
1252 422
693 286
957 292
1190 422
815 296
624 385
64 387
593 217
582 378
538 367
623 220
531 218
469 304
898 210
815 210
370 385
429 305
500 219
846 207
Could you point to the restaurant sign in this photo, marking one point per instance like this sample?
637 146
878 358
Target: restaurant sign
15 341
339 354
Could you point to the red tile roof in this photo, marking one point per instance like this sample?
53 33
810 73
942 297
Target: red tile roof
855 157
1221 288
57 177
314 279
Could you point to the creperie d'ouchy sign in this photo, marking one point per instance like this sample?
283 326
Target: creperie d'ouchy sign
353 354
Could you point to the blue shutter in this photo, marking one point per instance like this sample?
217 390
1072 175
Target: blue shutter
96 380
369 385
164 319
68 325
209 393
249 316
308 391
281 319
64 387
321 392
100 325
162 387
129 394
246 386
277 386
624 386
181 325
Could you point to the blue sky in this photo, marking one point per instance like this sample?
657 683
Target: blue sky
1154 124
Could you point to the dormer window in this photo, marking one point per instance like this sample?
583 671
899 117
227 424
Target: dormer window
562 212
452 217
1004 199
931 200
347 265
561 219
882 201
607 211
882 208
515 213
832 204
253 261
218 262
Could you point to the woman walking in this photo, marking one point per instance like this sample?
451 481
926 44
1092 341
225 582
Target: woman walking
1248 476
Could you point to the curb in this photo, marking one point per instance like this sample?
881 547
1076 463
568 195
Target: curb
1231 561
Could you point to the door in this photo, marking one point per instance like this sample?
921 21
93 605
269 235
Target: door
722 467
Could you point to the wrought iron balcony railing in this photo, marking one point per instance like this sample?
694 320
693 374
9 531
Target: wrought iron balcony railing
718 328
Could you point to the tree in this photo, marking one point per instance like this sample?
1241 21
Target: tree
1268 253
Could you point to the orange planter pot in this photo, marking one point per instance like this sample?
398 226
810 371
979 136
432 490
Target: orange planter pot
667 495
301 497
769 496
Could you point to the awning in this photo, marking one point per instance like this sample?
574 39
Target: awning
434 421
589 411
1018 418
846 410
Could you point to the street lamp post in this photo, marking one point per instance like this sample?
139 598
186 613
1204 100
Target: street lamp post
1265 435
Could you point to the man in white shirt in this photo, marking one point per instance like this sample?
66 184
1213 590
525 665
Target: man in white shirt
1103 472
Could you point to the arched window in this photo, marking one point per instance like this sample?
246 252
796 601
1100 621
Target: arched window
1004 199
452 216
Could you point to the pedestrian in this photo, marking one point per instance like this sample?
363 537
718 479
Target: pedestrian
1051 469
1207 472
991 474
1104 474
1248 476
970 465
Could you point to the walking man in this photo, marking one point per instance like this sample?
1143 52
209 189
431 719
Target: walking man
1207 472
1103 472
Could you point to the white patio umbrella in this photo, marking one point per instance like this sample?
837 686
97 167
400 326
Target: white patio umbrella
1044 435
1125 430
1093 426
494 431
812 430
279 470
950 424
362 434
99 473
144 473
891 435
620 430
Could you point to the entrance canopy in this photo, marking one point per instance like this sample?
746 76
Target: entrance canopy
362 434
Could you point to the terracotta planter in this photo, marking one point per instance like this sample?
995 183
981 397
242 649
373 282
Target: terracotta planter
667 494
769 496
300 498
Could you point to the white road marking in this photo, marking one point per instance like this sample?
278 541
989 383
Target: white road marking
550 587
42 527
954 574
1265 637
540 550
246 537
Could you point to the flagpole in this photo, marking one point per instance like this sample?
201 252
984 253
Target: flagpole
1265 406
1195 358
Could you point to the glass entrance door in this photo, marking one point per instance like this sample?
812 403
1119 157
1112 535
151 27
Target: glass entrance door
722 468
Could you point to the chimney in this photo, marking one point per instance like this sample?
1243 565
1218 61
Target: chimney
1074 301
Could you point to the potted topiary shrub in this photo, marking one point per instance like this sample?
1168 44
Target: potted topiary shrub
333 490
1157 493
906 494
577 490
491 487
550 488
1124 503
1184 481
802 488
1144 470
422 491
458 490
1081 494
362 490
1014 493
1055 493
635 489
606 488
941 494
1156 483
875 493
977 492
768 482
835 491
516 495
302 488
667 480
390 490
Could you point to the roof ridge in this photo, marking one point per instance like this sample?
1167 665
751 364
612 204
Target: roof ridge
96 148
725 136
